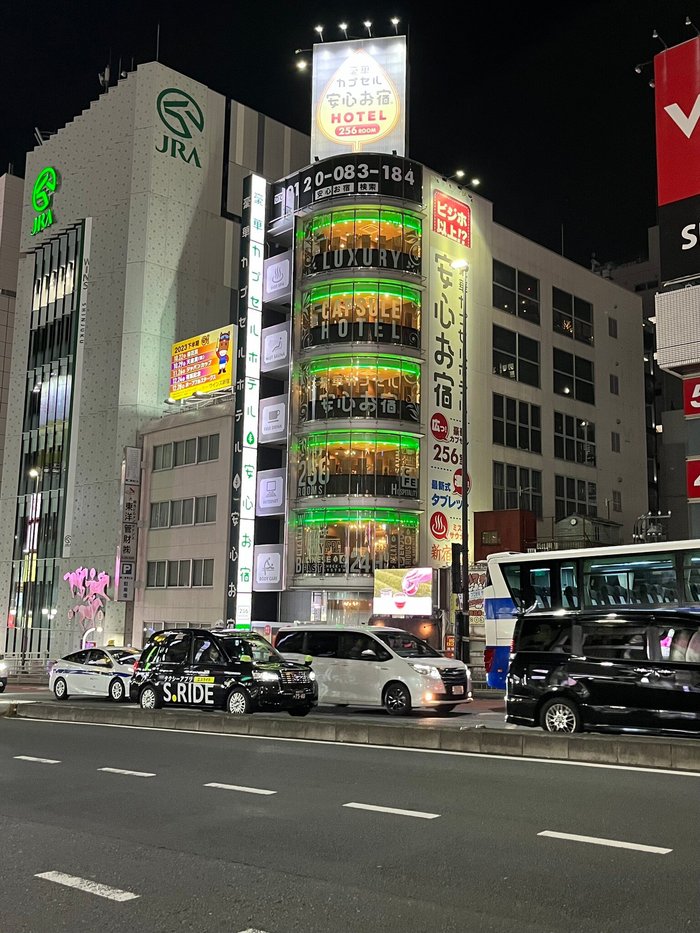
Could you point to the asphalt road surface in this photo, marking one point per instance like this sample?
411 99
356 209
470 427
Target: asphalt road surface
123 829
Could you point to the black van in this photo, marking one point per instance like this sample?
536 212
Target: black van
238 671
629 670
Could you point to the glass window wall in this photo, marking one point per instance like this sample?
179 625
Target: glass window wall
354 542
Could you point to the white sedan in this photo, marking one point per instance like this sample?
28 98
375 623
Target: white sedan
104 672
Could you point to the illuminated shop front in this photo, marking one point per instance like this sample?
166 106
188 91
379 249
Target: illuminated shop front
358 463
361 311
354 542
363 237
359 386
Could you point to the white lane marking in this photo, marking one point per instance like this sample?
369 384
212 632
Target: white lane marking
251 930
384 748
90 887
243 790
368 806
43 761
132 773
613 843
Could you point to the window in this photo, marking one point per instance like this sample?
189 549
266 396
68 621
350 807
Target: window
612 326
574 497
163 457
292 642
178 573
615 641
156 573
572 317
516 424
207 448
353 644
185 452
516 292
516 356
203 572
573 376
206 651
549 635
79 657
615 442
205 510
177 649
614 384
574 439
181 512
160 514
617 500
517 488
322 644
99 659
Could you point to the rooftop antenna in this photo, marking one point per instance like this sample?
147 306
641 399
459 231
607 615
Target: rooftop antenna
103 78
158 43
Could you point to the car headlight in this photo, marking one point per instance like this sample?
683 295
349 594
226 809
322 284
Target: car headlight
266 676
312 675
427 670
3 667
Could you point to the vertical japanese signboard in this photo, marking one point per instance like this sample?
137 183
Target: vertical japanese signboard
358 99
442 395
239 592
125 571
677 96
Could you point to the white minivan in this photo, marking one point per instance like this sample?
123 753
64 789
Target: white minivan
377 666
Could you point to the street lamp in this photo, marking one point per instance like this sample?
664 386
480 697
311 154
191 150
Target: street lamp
461 265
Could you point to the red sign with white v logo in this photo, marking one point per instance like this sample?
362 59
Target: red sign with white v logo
677 79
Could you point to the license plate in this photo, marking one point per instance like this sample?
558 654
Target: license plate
457 690
299 694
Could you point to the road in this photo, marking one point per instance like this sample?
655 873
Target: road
215 833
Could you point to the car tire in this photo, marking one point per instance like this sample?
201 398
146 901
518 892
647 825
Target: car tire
560 715
60 689
148 698
117 691
238 702
300 711
396 699
446 709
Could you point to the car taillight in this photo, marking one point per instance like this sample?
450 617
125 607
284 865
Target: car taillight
488 659
136 666
512 647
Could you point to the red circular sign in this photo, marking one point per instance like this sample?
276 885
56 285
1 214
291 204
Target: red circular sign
439 427
439 526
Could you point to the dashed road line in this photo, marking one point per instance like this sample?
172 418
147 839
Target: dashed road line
90 887
42 761
143 774
613 843
416 813
243 790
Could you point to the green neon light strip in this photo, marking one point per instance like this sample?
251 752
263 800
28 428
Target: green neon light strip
394 218
333 438
363 287
350 516
329 364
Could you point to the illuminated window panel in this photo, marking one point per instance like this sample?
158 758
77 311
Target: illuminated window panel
354 542
358 463
377 387
361 311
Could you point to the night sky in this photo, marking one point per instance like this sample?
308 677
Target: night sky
540 100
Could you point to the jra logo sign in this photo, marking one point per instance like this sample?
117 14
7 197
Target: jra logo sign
42 198
182 116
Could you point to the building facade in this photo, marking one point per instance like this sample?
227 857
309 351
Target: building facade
129 242
11 190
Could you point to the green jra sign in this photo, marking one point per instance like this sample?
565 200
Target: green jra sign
42 198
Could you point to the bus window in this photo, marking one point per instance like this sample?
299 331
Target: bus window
569 586
691 573
639 579
528 585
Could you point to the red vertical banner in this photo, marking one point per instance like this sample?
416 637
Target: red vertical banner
692 479
691 396
677 96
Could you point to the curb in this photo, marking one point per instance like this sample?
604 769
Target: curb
670 754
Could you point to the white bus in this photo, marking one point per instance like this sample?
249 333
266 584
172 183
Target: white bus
663 574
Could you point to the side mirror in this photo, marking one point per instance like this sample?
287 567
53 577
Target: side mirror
369 654
308 660
246 659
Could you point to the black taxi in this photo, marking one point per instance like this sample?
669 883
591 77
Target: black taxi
238 671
